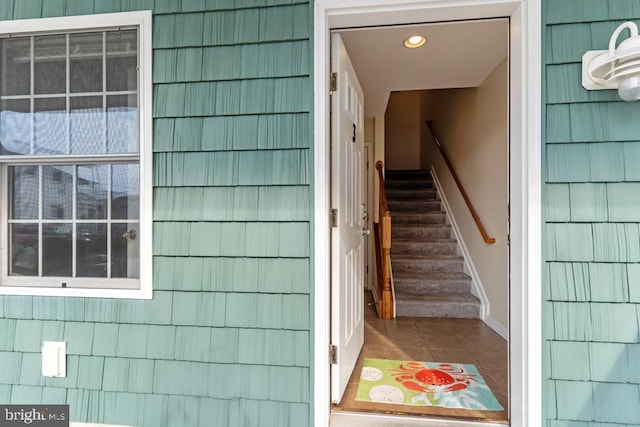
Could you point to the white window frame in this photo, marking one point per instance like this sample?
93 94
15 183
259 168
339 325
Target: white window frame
99 288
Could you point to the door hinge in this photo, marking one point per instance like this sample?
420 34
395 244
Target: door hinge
333 84
333 354
334 217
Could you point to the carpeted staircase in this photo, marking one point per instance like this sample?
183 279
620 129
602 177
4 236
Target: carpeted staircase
427 270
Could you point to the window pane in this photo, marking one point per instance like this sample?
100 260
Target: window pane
23 185
24 249
122 60
16 66
122 124
50 126
92 191
125 250
57 250
50 67
91 241
85 51
15 127
125 191
57 192
87 125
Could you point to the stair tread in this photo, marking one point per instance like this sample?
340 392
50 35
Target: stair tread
401 202
411 257
416 225
440 298
413 213
425 241
434 275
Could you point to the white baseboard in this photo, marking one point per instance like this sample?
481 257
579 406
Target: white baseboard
476 284
497 326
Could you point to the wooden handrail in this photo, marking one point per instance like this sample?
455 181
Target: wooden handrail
385 294
474 214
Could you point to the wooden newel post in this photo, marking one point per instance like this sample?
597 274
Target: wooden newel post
387 297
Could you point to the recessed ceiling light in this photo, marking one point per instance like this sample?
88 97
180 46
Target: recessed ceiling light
414 41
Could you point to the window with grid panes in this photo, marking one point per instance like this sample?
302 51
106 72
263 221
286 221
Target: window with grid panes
75 155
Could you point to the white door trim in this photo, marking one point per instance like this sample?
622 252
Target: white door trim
525 298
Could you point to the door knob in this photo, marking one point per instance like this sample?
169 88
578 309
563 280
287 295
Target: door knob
131 234
366 231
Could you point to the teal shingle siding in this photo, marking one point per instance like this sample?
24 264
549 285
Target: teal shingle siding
591 242
226 340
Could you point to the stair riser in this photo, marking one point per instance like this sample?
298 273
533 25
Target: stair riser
411 195
414 206
418 218
407 174
431 266
426 286
422 233
417 247
409 185
438 310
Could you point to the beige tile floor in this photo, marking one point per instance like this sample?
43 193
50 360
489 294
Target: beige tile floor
432 340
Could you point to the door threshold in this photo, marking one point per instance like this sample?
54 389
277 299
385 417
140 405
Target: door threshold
364 419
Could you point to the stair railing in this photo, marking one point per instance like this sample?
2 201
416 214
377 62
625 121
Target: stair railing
383 253
474 214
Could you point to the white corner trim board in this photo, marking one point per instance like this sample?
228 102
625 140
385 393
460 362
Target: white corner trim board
525 133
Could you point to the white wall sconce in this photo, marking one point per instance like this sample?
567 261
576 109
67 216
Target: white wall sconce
617 67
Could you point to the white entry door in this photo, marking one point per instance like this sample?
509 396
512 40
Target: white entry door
347 201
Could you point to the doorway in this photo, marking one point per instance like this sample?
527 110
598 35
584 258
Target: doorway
525 179
459 80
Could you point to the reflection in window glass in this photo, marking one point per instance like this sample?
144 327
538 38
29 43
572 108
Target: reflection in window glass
125 250
87 125
92 191
16 64
15 132
57 251
50 126
91 241
85 51
24 183
122 124
125 191
57 192
50 65
24 249
84 99
122 60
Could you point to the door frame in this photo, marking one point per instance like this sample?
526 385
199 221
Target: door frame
525 135
368 239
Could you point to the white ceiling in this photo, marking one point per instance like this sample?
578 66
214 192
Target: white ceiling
457 54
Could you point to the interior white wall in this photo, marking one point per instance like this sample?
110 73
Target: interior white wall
472 125
378 154
426 139
369 129
402 131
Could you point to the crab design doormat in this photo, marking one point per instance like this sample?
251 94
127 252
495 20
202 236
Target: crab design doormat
447 385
